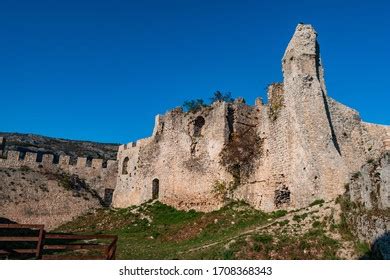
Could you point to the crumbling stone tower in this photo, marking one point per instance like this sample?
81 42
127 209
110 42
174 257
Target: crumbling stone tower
301 146
315 167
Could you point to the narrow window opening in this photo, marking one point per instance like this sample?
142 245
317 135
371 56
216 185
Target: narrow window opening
155 189
125 166
198 125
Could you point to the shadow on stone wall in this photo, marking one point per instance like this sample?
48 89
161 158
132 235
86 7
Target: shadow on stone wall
6 221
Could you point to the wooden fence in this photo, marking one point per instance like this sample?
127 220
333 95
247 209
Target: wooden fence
32 242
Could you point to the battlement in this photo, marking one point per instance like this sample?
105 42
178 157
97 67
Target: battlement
98 173
135 144
16 159
128 146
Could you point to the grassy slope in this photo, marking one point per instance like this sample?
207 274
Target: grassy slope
157 231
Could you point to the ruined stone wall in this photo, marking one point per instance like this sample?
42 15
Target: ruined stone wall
36 197
348 134
269 177
370 186
96 175
183 155
375 137
300 147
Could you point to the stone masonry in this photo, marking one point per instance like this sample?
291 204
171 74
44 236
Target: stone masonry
301 146
100 177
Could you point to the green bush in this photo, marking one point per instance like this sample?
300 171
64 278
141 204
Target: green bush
279 214
193 106
228 255
263 238
219 96
196 105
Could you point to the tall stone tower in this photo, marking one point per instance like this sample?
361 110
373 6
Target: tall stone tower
316 165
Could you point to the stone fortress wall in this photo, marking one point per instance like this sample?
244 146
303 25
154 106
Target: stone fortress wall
183 148
301 146
99 175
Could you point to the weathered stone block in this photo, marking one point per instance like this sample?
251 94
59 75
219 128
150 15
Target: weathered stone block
81 162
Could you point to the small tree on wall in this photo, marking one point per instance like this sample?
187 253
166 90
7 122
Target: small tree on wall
194 105
219 96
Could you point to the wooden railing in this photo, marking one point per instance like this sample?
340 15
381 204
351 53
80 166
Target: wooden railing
64 243
21 241
31 242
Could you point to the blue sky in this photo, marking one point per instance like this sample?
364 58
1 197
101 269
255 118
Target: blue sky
101 70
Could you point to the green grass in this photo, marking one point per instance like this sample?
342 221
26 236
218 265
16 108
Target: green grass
317 224
279 214
284 223
263 238
363 248
300 218
158 231
317 202
314 245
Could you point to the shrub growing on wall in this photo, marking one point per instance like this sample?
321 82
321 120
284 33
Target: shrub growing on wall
219 96
194 105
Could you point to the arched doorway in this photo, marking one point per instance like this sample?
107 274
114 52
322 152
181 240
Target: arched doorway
155 189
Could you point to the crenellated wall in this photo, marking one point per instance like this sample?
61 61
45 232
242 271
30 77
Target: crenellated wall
98 175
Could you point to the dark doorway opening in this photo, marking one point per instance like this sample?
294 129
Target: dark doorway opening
155 189
108 194
282 196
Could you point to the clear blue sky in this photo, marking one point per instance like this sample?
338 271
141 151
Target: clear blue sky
101 70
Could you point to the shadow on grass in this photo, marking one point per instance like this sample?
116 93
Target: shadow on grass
380 250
